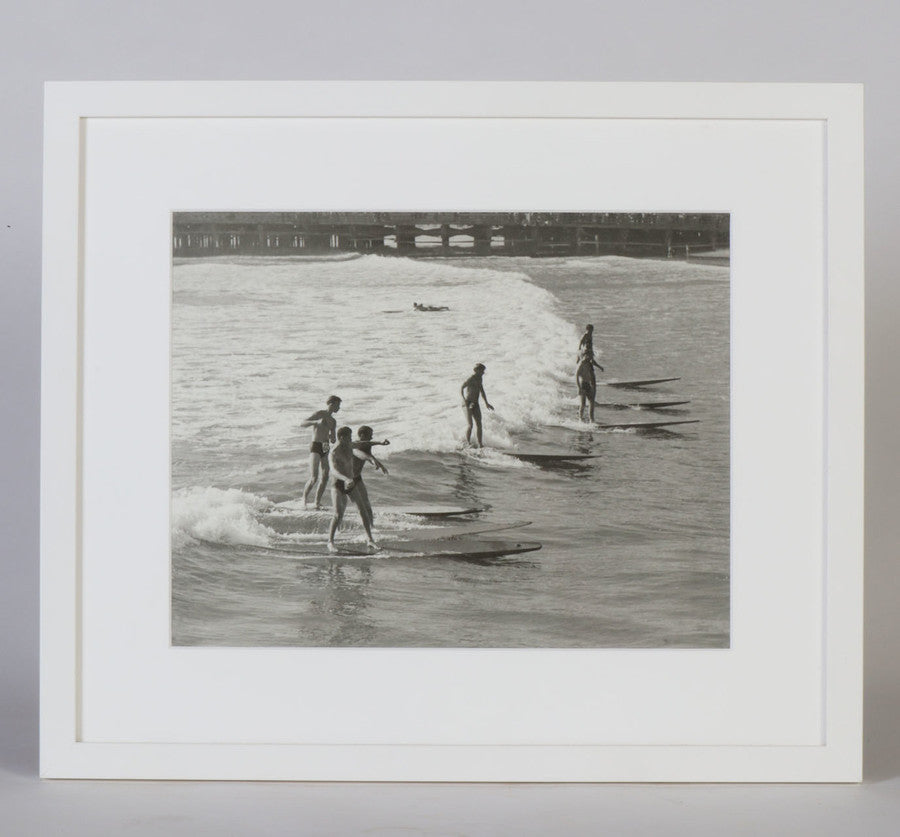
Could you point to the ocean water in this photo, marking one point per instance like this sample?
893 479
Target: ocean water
635 540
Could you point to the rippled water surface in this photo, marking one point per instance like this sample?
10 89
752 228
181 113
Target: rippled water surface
635 540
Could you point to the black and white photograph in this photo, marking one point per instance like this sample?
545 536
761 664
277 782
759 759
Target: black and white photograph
450 429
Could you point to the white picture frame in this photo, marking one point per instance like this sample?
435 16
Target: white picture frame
454 743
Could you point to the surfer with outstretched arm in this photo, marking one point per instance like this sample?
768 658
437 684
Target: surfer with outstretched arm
362 453
471 391
323 424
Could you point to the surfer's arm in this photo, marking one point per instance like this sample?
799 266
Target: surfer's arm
315 418
336 472
594 362
484 396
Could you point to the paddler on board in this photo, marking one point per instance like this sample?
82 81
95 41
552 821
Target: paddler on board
324 425
344 485
471 390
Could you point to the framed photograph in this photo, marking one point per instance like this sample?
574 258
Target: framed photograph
452 432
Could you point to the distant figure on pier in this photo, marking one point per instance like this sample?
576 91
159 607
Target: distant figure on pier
324 427
419 307
471 390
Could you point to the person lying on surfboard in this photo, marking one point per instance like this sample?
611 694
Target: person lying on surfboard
323 424
362 453
586 383
419 307
471 390
343 485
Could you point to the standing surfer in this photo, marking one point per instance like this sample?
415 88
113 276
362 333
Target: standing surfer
362 453
324 426
344 484
585 379
586 383
471 391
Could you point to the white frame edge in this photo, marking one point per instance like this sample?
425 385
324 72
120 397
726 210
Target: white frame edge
64 755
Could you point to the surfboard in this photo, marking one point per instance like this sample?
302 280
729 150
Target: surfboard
643 425
454 528
643 405
644 383
455 547
429 510
541 458
397 543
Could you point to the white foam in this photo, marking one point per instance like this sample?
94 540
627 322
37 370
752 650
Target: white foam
220 516
258 347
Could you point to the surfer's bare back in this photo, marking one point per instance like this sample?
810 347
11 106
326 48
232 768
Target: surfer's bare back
471 390
324 428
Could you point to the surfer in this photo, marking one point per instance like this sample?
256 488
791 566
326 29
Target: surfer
471 390
586 383
419 307
587 340
343 485
362 453
586 346
324 425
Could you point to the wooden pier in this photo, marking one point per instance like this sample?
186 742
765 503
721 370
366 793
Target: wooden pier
424 234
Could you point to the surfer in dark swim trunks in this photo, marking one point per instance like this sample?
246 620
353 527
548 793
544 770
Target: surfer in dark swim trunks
362 453
471 391
324 425
340 460
344 485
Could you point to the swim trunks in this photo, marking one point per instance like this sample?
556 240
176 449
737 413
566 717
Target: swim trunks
318 447
341 486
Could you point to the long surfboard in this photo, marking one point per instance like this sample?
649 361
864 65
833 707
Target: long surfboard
644 383
456 547
642 405
643 425
441 535
431 511
453 529
414 509
548 458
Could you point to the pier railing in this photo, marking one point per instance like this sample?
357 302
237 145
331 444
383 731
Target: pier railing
448 233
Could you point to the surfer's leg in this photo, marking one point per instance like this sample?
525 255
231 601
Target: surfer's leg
360 496
339 502
468 410
593 396
324 480
313 476
476 412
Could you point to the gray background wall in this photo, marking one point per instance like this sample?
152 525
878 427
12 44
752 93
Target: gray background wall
641 40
